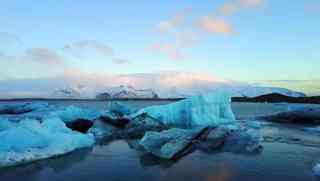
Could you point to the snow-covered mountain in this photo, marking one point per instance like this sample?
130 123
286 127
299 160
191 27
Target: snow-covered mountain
147 85
124 91
66 93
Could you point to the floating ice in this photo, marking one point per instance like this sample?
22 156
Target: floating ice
70 113
31 140
20 108
316 169
119 109
170 143
207 109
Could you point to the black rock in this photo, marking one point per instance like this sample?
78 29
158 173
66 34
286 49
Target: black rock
81 125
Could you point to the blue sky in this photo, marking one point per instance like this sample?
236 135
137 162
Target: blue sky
242 40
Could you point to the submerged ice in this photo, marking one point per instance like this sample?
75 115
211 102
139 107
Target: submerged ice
206 109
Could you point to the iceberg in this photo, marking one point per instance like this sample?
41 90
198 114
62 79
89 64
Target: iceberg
119 109
316 169
32 140
71 113
21 108
172 143
203 110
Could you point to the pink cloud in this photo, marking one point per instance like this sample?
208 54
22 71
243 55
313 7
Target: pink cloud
212 25
232 7
168 25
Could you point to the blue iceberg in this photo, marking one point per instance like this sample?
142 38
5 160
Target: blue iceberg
203 110
32 140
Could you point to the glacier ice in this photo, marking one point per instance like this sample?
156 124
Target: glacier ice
316 169
119 109
20 108
70 113
32 140
205 109
169 143
5 124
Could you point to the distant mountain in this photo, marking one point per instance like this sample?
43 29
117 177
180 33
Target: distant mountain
66 93
277 98
125 92
254 91
145 85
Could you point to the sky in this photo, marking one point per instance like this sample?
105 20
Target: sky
267 42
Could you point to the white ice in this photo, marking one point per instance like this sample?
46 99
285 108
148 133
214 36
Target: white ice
206 109
32 140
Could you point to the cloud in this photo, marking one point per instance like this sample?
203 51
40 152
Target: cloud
170 50
83 45
181 37
44 56
167 25
232 7
212 25
121 61
216 23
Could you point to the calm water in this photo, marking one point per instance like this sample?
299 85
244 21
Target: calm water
288 154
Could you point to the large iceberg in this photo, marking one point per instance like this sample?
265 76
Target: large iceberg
33 140
203 110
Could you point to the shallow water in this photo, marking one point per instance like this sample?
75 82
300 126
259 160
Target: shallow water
289 153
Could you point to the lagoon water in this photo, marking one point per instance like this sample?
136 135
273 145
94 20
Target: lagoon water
289 153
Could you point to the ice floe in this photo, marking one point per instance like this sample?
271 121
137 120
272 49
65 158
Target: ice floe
20 108
70 113
169 144
32 140
206 109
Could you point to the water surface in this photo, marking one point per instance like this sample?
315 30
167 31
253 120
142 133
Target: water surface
289 153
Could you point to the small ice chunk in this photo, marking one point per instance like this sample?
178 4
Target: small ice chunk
253 124
170 143
203 110
316 169
33 140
